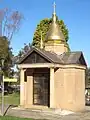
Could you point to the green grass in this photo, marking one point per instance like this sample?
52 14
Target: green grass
89 90
11 99
14 118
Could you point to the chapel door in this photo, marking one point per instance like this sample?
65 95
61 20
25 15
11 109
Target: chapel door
41 89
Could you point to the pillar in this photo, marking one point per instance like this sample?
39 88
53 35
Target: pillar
22 87
52 88
29 90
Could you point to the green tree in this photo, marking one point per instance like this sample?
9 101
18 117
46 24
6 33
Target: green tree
10 22
6 53
43 27
87 81
23 51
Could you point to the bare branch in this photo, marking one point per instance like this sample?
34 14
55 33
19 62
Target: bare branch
5 21
9 22
16 18
1 19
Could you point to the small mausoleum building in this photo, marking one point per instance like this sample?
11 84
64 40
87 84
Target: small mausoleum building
53 77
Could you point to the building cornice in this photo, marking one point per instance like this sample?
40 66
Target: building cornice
49 65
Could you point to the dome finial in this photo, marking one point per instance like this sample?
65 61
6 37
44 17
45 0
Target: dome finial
54 33
54 8
54 12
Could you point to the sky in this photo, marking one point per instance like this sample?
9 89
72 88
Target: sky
75 13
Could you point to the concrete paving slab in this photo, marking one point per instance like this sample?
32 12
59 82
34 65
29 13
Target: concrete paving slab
48 114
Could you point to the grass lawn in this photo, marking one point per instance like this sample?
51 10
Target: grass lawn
14 118
11 99
88 90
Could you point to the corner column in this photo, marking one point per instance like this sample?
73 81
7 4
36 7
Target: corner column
52 88
22 87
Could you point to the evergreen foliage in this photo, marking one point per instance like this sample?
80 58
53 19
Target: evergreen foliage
87 81
43 27
6 53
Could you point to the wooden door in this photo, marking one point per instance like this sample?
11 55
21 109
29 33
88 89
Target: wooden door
41 89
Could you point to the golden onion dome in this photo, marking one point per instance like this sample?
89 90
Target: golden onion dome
54 32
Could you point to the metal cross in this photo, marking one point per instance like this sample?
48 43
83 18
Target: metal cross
54 5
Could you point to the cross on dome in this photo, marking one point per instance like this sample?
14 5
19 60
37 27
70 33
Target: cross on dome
54 7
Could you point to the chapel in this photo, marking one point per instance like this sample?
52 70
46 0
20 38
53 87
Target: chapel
53 77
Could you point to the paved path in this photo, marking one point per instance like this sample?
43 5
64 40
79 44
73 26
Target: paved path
47 114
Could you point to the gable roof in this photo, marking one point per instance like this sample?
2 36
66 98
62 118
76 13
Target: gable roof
73 58
65 58
50 56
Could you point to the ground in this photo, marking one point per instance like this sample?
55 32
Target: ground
19 113
47 114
